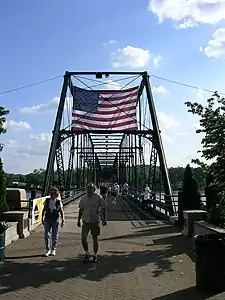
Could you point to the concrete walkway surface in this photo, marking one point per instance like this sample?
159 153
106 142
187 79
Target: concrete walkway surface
139 259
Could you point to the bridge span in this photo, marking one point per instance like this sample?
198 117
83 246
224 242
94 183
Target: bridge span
107 130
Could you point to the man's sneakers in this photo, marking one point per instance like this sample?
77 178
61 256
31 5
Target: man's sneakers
95 259
50 252
89 258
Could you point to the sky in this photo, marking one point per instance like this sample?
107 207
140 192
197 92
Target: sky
180 40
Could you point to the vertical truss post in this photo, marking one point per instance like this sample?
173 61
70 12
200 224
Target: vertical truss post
129 163
77 162
142 174
159 144
94 168
70 164
55 137
152 169
135 161
84 160
132 162
152 172
60 168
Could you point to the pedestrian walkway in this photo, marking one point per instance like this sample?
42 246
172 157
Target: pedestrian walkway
139 260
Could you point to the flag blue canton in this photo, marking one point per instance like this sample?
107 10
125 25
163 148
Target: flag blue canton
85 100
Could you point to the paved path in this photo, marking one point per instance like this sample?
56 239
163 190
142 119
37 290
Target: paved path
139 260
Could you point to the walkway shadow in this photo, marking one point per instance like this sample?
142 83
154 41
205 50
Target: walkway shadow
186 294
123 211
178 244
22 257
160 230
15 275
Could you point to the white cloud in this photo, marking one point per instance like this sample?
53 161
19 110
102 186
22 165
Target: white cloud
44 136
110 42
133 57
200 96
188 13
24 157
49 107
46 108
216 46
113 85
11 142
159 90
156 60
167 121
12 125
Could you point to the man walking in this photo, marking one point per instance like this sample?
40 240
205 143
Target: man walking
91 207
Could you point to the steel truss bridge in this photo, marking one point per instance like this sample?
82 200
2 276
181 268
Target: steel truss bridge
133 156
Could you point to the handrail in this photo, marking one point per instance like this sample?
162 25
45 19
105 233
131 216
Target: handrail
157 200
67 198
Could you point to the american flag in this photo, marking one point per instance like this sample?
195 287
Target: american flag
104 110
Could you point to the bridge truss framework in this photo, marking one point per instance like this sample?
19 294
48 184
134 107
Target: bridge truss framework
108 155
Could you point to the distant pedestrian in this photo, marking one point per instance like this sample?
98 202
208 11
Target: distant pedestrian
91 207
53 209
103 191
115 192
146 195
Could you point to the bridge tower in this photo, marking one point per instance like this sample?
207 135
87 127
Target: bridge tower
112 134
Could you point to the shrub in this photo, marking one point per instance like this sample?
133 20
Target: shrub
191 197
3 204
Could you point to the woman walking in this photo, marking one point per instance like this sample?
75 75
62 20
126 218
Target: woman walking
52 211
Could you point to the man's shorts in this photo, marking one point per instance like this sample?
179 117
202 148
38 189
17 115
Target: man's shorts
93 227
114 194
104 196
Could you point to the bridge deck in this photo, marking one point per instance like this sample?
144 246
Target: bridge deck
138 260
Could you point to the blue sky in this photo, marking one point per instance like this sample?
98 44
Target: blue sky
42 39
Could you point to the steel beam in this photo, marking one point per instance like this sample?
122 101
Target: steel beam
106 73
55 137
159 144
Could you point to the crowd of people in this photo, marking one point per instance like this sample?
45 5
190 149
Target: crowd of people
92 212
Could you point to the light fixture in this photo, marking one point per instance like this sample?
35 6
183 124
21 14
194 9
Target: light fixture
98 75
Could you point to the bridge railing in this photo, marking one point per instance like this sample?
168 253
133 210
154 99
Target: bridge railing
157 201
67 197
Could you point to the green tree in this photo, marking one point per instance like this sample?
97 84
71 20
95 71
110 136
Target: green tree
3 204
212 126
191 198
3 113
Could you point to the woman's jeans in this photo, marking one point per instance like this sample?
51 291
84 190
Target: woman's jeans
51 226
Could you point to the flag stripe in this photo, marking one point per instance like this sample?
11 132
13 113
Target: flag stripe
121 96
106 104
101 125
122 116
114 92
83 128
115 110
104 113
81 114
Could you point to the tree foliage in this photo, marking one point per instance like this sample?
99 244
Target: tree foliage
3 204
3 113
212 126
191 198
35 179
